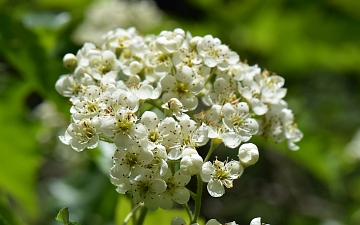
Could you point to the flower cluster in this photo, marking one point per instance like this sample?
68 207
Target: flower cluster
160 98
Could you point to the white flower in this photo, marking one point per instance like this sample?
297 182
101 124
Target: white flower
141 89
176 108
148 189
219 175
292 132
248 154
185 56
185 85
241 126
131 163
278 123
250 90
210 119
88 105
82 134
216 54
159 61
70 85
123 128
224 92
118 39
124 99
101 63
160 134
271 90
191 136
169 42
191 162
175 189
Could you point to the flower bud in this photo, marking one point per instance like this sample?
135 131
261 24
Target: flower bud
178 221
248 154
191 163
70 61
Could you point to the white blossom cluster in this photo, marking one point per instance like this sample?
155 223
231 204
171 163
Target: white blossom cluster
160 98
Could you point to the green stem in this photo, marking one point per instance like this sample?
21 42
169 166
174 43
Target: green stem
106 139
192 194
211 76
214 143
187 209
142 216
155 103
132 213
198 199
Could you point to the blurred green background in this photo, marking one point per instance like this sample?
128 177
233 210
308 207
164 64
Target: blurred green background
314 45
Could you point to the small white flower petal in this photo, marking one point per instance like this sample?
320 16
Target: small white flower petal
231 139
215 188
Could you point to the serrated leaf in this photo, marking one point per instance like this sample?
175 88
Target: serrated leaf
63 215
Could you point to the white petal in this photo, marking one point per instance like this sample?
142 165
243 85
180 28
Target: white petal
152 202
256 221
145 92
258 107
189 100
181 195
178 221
228 110
209 61
158 186
181 179
235 169
78 145
149 119
165 201
184 75
231 139
206 171
233 57
215 188
168 83
242 107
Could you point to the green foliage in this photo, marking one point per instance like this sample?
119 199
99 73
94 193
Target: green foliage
63 216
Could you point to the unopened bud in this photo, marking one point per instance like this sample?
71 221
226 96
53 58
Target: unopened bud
70 61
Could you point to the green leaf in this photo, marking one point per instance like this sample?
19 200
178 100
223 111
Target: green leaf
63 215
21 49
19 157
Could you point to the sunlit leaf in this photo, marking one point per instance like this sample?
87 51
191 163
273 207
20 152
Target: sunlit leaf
19 158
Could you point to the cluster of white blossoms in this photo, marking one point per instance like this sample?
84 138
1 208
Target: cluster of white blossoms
160 98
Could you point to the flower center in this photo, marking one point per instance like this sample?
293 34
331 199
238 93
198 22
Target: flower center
153 136
181 88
